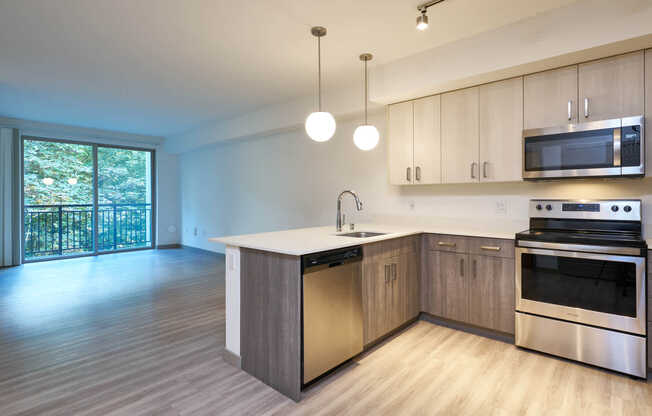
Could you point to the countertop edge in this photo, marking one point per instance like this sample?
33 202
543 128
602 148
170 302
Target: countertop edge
232 241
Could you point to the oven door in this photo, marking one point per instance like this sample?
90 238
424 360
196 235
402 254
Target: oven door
603 290
575 150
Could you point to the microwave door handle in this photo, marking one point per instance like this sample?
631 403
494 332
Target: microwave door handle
570 110
586 107
617 161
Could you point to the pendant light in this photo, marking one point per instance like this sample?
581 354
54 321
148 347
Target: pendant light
320 125
366 136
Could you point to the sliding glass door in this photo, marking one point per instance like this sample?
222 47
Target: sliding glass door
84 199
124 199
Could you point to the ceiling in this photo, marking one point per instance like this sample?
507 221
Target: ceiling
162 67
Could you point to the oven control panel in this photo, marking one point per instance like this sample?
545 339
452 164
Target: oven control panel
612 209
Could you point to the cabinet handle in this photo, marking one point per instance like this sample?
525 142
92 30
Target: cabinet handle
570 110
408 174
387 273
417 173
472 170
586 107
484 169
475 268
490 248
462 267
393 271
446 244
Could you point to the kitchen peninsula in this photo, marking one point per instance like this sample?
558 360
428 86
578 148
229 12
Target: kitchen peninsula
458 273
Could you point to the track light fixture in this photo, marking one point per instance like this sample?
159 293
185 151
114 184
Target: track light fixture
422 20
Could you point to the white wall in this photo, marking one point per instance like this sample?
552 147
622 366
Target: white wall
168 221
288 181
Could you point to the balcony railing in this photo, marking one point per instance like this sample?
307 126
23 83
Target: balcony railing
60 230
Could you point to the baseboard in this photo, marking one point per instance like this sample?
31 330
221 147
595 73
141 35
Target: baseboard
168 246
472 329
201 250
390 334
232 358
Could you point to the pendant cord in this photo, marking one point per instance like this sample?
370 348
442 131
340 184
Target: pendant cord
319 70
366 87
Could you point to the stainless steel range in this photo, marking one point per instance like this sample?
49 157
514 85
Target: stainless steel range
580 283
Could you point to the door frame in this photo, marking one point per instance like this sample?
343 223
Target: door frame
94 146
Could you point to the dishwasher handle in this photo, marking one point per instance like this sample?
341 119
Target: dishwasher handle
331 258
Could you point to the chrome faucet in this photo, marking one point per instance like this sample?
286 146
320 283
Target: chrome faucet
358 205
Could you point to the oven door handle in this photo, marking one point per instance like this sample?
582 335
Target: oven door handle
639 261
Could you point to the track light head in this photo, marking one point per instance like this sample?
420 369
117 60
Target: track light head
422 21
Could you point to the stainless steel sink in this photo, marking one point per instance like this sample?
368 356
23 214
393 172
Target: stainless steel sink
361 234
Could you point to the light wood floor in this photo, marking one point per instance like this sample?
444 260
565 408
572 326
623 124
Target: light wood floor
142 333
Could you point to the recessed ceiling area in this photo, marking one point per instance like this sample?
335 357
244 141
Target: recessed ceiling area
162 67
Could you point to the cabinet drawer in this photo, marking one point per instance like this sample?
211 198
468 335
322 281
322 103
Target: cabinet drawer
494 247
452 243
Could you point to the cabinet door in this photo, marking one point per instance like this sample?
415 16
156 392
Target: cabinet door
547 96
614 87
460 137
375 280
481 299
427 140
501 131
491 293
396 294
400 143
454 271
648 117
410 269
432 284
503 272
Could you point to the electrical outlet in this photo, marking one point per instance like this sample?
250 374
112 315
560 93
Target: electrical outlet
501 208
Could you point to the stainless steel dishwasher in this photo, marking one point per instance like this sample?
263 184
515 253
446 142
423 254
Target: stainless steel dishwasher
332 309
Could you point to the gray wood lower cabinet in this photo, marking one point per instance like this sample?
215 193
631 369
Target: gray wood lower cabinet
454 273
390 281
491 293
469 280
270 319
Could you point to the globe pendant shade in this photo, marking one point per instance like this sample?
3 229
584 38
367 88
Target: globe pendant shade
366 137
320 126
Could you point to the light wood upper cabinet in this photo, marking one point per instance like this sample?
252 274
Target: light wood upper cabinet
427 140
547 97
648 117
460 136
501 131
400 143
612 87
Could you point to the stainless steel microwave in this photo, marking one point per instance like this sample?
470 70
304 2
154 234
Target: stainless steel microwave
598 148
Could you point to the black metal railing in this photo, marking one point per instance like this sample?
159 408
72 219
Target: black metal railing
59 230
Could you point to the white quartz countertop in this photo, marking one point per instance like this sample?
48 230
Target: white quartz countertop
302 241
